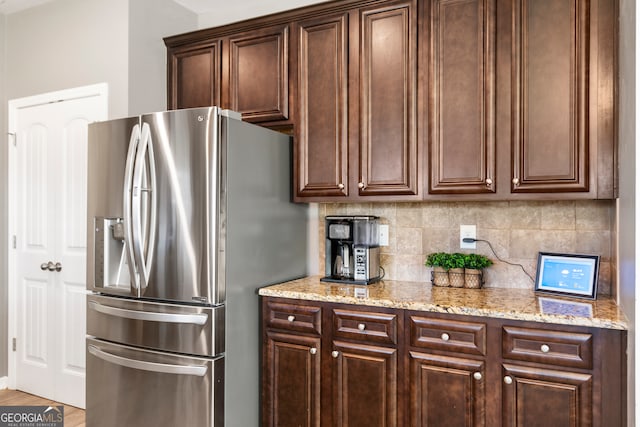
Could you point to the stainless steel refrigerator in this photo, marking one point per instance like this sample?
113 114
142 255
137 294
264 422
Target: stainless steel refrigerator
189 213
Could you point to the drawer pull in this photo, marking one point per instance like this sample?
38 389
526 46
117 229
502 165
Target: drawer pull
361 326
445 336
335 354
508 380
544 348
477 376
291 318
313 350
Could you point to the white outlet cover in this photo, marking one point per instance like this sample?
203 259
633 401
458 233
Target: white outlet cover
467 231
384 234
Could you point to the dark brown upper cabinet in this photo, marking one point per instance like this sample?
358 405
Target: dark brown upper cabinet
258 74
550 74
405 100
194 75
356 134
321 131
461 87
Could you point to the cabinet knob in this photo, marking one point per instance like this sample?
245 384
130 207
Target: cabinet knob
341 186
291 318
335 354
313 350
488 181
545 348
477 375
515 181
508 380
361 326
445 336
361 185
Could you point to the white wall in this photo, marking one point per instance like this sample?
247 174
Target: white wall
150 21
70 43
240 10
628 212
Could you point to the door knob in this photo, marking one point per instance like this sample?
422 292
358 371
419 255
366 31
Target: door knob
51 266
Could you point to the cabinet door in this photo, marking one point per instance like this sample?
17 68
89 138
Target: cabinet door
258 74
550 140
365 385
462 96
446 391
536 397
321 153
388 75
291 383
194 76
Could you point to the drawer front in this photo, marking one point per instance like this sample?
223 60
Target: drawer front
293 317
365 325
572 349
449 335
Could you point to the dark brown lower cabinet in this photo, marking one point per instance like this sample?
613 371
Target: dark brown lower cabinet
446 390
540 397
365 385
292 383
327 364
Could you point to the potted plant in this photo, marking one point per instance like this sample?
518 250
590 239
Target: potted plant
473 266
456 269
440 262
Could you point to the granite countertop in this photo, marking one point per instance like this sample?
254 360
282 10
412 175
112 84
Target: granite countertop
516 304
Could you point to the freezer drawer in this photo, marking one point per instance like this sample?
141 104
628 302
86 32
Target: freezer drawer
186 329
133 387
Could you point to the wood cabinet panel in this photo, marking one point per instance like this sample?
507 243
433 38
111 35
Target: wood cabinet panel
462 96
321 150
558 348
448 335
294 317
537 397
446 391
259 74
362 325
550 78
194 76
292 378
365 385
388 76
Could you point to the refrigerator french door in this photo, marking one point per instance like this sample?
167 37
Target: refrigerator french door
189 213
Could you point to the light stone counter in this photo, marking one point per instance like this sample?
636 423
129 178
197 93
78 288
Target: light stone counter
516 304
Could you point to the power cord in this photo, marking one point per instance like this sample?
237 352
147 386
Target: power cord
471 240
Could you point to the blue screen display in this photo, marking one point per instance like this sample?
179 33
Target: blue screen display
568 275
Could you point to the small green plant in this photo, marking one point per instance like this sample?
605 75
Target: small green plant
476 261
457 260
438 259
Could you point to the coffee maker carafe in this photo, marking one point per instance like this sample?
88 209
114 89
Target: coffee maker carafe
352 249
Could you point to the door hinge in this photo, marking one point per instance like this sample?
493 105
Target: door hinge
15 138
15 241
14 344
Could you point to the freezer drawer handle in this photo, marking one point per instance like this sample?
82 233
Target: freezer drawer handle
195 319
164 368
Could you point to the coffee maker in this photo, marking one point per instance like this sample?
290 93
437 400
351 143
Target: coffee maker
352 249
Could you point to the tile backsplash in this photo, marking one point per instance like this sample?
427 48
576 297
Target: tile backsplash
516 230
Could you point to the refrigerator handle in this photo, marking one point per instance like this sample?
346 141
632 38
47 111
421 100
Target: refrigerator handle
144 229
193 319
164 368
128 185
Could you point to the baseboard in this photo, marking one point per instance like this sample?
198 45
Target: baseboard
4 382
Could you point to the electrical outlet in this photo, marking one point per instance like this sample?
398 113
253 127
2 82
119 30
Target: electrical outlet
467 231
384 234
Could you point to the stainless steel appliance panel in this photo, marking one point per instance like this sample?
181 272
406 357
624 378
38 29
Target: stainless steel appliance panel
266 243
197 330
107 156
135 387
181 263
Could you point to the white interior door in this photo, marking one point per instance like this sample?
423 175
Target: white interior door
49 183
